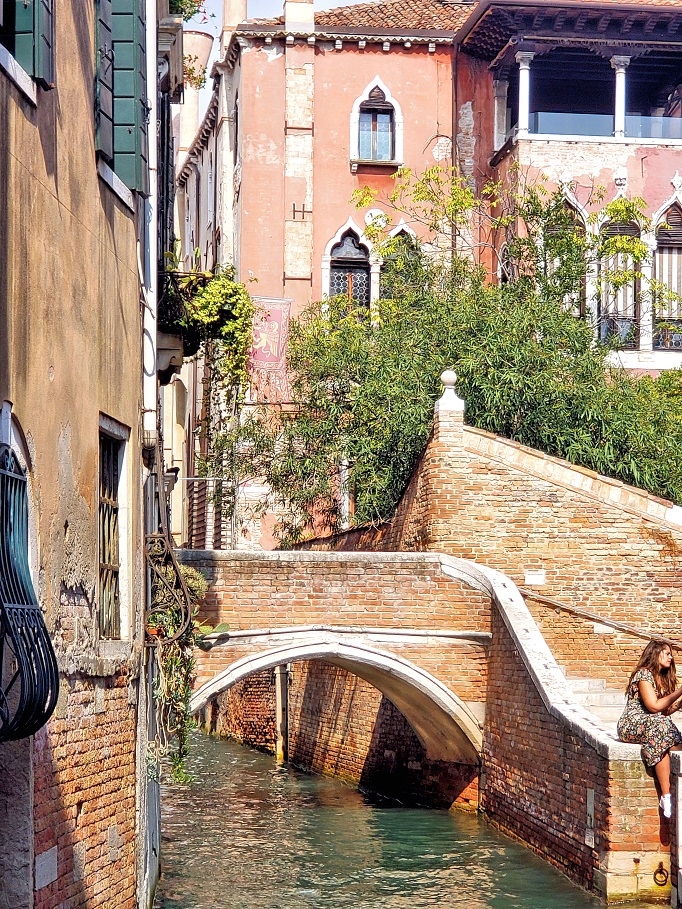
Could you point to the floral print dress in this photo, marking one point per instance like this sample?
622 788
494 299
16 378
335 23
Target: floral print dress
655 732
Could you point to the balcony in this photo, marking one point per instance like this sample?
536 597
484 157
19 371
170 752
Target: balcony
554 123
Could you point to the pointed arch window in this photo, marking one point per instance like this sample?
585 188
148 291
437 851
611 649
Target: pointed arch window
376 139
668 273
350 270
619 292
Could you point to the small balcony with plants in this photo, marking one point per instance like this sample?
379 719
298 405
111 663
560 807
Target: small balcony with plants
198 308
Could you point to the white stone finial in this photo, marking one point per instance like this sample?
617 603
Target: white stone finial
450 400
677 181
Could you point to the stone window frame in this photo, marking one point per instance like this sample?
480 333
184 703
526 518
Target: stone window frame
398 127
121 434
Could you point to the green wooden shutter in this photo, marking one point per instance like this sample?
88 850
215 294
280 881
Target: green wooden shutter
130 94
104 87
34 39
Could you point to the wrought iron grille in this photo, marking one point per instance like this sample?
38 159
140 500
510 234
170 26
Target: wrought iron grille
29 678
109 565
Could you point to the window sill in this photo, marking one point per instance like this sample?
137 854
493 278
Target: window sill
363 164
115 184
18 76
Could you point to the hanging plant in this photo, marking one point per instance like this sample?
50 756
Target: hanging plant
194 74
203 306
186 8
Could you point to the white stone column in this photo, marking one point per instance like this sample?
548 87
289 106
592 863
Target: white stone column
620 64
500 88
523 58
646 309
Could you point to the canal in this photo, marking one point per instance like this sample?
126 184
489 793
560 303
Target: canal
246 834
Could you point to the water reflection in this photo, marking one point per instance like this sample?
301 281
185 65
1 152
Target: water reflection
248 835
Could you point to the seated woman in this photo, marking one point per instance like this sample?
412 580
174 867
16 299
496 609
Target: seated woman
651 697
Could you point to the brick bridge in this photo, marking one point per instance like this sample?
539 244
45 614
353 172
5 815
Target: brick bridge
454 647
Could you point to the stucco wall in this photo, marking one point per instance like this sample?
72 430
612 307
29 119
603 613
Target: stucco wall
70 352
278 169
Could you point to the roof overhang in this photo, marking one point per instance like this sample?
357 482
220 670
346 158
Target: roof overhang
348 33
620 26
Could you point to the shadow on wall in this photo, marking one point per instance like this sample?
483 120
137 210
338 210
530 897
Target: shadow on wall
343 726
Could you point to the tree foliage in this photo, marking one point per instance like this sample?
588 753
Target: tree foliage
364 382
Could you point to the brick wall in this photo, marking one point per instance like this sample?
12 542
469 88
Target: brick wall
246 712
602 546
84 799
275 590
538 776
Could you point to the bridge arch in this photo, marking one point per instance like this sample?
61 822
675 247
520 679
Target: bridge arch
443 723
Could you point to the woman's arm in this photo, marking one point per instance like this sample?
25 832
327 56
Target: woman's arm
652 702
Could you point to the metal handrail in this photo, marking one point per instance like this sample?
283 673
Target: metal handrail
593 617
159 555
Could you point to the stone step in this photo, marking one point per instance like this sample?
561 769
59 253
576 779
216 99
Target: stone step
607 697
583 684
608 714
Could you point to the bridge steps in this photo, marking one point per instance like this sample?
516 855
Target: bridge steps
605 704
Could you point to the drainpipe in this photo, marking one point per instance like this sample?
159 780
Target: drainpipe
149 386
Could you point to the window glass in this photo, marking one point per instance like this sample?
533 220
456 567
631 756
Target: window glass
384 136
366 135
109 558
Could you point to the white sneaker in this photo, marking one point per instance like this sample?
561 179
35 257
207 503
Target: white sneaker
666 806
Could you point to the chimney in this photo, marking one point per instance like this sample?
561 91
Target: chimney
196 51
299 16
234 13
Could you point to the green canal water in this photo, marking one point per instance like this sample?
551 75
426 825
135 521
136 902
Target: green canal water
246 834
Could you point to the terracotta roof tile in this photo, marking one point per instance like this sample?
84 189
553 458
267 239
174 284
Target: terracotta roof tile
403 14
448 15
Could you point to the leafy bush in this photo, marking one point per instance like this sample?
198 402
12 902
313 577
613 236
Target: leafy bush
365 381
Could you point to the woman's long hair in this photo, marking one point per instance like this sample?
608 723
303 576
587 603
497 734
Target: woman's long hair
666 679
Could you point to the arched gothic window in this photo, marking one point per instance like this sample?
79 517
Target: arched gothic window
668 273
376 140
619 310
350 271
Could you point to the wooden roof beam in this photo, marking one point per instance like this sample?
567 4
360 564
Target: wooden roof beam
604 21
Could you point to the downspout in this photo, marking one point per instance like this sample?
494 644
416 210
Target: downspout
148 824
149 385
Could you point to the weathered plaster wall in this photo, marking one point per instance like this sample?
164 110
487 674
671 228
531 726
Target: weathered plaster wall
311 93
70 351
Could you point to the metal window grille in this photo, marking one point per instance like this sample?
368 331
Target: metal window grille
349 274
109 564
29 679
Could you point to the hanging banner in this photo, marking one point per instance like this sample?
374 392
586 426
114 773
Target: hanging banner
268 354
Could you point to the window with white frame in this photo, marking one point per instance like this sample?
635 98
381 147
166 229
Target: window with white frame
376 138
350 270
376 127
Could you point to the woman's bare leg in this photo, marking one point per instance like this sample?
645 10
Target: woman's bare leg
662 771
